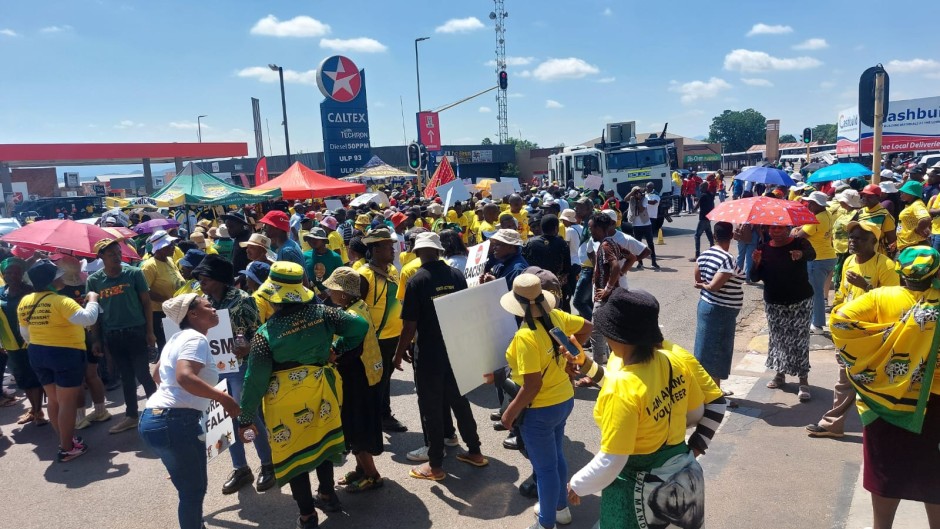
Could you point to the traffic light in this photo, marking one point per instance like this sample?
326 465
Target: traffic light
503 80
423 155
807 135
414 156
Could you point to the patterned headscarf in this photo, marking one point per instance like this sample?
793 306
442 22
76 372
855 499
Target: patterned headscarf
916 263
12 261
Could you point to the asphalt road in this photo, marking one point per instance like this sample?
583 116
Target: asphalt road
761 472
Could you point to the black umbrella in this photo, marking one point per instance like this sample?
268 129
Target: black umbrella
813 167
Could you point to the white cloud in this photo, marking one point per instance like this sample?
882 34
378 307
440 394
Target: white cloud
524 74
127 124
607 12
460 25
569 68
360 44
9 33
812 44
756 82
513 61
551 103
695 90
485 110
267 75
826 85
912 66
765 29
606 79
188 125
759 61
55 29
299 26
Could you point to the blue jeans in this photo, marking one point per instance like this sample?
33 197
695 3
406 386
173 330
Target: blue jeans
745 255
818 271
714 338
583 298
704 226
935 242
173 434
543 431
235 383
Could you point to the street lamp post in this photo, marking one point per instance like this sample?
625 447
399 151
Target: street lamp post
280 73
417 70
199 126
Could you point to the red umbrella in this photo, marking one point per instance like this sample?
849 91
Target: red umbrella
64 236
765 211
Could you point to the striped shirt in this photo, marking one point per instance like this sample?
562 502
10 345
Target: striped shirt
715 261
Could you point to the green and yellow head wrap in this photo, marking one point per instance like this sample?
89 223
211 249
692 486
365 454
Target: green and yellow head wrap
12 261
917 263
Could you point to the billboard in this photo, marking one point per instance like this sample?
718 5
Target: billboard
847 131
344 116
910 125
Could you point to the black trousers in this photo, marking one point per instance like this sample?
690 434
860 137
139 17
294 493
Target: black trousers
302 492
641 233
437 391
128 349
387 348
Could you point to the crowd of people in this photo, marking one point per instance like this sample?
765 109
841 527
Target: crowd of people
326 305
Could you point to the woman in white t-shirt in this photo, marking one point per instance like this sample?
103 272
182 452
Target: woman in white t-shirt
172 423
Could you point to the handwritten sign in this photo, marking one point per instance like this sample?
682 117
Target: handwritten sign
221 342
476 261
220 432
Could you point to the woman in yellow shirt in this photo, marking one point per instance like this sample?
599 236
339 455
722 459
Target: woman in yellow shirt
546 394
819 270
648 393
914 220
54 326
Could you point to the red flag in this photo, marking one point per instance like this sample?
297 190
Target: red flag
443 175
261 172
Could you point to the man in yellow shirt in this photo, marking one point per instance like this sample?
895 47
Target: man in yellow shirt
820 269
914 220
873 211
490 223
163 278
520 214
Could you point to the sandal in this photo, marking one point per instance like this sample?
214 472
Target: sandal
726 393
327 502
416 473
467 458
25 418
351 477
7 401
364 484
40 419
777 382
804 394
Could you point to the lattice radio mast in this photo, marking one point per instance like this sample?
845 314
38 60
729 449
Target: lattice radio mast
499 17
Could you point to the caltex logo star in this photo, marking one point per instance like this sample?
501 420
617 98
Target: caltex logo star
339 79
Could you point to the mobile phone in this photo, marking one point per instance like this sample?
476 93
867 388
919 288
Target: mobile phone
559 336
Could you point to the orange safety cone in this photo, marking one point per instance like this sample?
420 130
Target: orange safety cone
659 240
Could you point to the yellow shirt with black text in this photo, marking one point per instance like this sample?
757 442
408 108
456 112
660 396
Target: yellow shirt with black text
49 322
531 351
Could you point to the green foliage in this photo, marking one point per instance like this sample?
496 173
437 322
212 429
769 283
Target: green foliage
825 134
788 138
486 141
522 145
737 130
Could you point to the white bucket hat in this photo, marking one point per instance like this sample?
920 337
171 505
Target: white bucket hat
506 236
428 239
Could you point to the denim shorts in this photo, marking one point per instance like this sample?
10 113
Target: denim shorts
62 366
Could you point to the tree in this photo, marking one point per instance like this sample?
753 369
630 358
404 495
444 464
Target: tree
512 169
486 141
788 138
738 130
825 134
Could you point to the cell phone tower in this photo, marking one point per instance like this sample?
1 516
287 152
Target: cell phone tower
499 15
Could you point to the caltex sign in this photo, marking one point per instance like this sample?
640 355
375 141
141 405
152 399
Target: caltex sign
344 116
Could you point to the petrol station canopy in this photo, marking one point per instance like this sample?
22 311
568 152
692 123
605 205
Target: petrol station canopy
46 154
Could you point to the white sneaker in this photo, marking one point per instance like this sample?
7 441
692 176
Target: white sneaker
420 455
98 416
562 516
452 441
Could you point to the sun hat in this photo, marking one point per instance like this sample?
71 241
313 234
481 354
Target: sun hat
344 279
397 218
527 293
428 239
329 222
569 215
43 273
435 209
257 271
317 233
507 236
910 187
217 268
871 189
363 220
277 219
870 227
160 240
237 216
818 197
917 262
199 238
204 223
89 267
72 268
887 173
310 215
572 194
890 187
629 316
285 284
549 281
177 307
611 213
192 258
257 239
850 197
377 235
838 185
223 232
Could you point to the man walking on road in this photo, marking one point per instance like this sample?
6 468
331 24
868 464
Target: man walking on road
706 203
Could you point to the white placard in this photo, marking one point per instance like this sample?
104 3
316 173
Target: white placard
332 204
593 182
499 190
459 191
476 261
220 432
475 346
515 184
378 197
221 342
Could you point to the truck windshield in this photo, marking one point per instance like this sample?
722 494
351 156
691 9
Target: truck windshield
618 161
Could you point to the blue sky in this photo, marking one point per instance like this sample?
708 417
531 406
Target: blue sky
111 70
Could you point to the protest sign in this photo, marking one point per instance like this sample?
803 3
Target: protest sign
220 432
332 204
364 199
514 182
475 346
221 342
499 190
593 182
476 261
460 192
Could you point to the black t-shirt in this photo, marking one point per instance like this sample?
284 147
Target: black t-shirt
785 281
548 253
706 203
432 280
240 255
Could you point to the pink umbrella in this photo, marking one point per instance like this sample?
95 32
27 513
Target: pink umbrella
764 211
66 237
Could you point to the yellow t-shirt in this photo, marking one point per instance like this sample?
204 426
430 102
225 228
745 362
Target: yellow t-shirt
485 230
335 243
840 217
265 308
908 220
49 323
531 352
879 216
358 264
163 278
407 272
189 287
304 245
405 258
633 409
177 254
879 271
820 236
522 219
377 297
934 203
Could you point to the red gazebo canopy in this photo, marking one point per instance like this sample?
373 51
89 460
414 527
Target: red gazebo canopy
300 182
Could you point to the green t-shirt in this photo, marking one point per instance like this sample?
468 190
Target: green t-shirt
119 297
319 267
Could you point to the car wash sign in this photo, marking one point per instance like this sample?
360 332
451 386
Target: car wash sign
344 116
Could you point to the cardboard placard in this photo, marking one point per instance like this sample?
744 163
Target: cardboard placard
593 182
221 342
499 190
332 204
460 192
476 261
475 346
220 432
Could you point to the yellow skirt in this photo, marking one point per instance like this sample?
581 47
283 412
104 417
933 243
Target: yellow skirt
302 413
